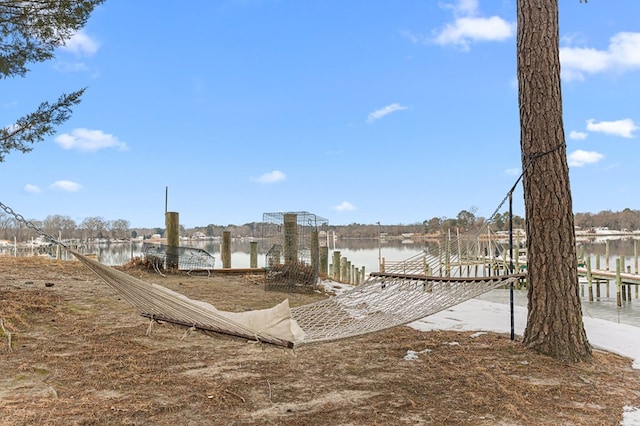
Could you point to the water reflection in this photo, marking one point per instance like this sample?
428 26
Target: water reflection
361 252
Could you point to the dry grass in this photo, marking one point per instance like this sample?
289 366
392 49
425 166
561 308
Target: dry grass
80 356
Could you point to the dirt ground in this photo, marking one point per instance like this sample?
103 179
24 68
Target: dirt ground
79 355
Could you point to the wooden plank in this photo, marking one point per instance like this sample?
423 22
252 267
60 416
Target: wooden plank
418 277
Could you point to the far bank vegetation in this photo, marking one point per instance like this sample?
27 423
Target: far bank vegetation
93 228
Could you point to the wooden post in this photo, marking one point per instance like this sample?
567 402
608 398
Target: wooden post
315 253
448 257
336 266
290 238
440 257
635 255
622 284
589 279
172 223
598 280
343 270
459 251
253 254
606 254
225 252
324 260
618 284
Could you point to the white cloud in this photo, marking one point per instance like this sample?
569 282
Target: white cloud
513 172
81 44
466 7
467 28
66 185
345 206
89 140
271 177
578 135
464 31
414 38
623 128
375 115
625 50
69 67
581 158
32 189
622 54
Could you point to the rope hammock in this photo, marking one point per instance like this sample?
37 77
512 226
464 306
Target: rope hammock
405 292
383 301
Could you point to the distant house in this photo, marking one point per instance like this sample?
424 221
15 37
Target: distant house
198 236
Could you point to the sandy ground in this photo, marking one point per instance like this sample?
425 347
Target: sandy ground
80 355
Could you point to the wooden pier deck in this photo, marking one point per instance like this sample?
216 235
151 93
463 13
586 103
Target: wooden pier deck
602 274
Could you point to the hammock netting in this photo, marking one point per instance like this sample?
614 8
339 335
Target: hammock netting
384 300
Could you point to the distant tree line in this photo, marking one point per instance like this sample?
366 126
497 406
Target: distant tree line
626 219
93 228
58 226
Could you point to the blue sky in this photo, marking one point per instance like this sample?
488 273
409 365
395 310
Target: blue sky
357 111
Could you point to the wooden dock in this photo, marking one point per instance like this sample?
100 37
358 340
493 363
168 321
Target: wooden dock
623 280
604 275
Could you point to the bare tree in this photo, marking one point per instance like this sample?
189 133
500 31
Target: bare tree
94 227
554 323
120 229
57 224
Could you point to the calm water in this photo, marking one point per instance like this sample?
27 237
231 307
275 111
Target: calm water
365 253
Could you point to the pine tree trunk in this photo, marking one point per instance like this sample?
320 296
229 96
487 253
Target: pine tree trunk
554 323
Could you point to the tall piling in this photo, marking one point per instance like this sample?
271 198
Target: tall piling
589 279
290 238
618 284
172 223
225 251
315 253
253 254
